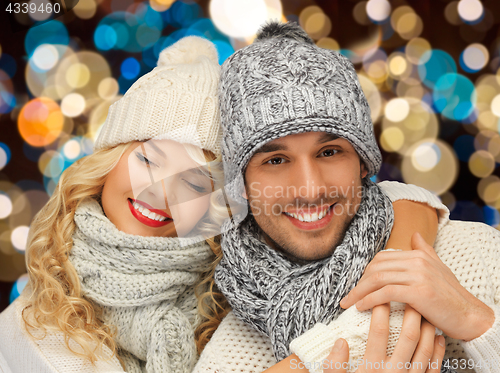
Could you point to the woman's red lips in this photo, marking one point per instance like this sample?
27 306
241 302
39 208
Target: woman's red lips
147 221
150 208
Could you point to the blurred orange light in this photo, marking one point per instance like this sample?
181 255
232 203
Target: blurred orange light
40 121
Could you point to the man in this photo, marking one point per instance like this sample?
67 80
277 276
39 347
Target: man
299 145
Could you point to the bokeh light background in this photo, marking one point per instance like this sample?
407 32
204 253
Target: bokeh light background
429 68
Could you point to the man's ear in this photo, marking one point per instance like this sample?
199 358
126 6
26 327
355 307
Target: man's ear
363 169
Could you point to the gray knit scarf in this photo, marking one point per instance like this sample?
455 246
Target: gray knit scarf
284 299
145 286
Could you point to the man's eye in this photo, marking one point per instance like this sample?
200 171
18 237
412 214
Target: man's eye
329 152
276 161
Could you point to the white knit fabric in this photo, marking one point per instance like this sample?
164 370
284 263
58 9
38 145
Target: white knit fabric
470 250
177 100
19 353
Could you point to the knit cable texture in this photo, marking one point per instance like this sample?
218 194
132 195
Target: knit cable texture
146 288
282 85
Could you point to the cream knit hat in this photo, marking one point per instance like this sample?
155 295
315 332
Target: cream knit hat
177 100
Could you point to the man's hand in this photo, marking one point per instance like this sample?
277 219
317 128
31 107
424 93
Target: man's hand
416 348
420 279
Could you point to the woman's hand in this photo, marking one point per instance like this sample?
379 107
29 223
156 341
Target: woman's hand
420 279
418 349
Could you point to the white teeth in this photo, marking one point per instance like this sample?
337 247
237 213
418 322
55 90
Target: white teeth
309 218
149 214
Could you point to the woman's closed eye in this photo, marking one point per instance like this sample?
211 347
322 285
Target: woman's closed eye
195 186
145 160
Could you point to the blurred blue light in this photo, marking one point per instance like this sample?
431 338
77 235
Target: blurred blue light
454 96
205 27
182 14
18 287
130 68
491 215
8 64
52 32
467 211
149 17
224 49
7 101
125 26
464 147
105 37
124 84
438 64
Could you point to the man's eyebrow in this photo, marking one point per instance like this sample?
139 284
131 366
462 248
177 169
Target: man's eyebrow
268 148
157 149
325 137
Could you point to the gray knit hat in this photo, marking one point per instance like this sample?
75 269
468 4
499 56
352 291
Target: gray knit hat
284 84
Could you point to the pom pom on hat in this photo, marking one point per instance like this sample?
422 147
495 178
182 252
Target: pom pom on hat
187 50
291 30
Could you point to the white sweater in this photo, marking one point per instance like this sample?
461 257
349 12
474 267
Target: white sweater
19 353
470 250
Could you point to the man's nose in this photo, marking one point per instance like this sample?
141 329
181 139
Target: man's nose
308 179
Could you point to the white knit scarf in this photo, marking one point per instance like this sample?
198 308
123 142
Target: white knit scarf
284 299
146 288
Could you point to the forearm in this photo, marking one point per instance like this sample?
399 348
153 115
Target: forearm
411 217
291 364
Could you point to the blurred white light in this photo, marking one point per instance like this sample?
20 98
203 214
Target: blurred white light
426 156
19 237
495 105
48 9
378 10
476 56
72 149
73 105
45 57
21 283
397 109
243 18
3 158
470 10
5 206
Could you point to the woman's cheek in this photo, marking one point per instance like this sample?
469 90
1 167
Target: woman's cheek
188 214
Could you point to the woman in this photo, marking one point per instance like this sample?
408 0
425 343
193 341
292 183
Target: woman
113 264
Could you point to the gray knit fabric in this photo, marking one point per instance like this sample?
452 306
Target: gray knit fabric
284 299
146 288
284 84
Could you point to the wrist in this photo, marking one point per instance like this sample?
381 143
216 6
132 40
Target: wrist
479 321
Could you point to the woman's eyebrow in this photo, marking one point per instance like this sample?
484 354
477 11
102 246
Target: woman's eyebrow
157 149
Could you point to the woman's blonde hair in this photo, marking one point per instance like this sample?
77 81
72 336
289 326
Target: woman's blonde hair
56 302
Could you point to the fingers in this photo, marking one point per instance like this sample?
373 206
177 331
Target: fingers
392 261
389 293
409 337
438 355
338 359
376 345
425 348
418 243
